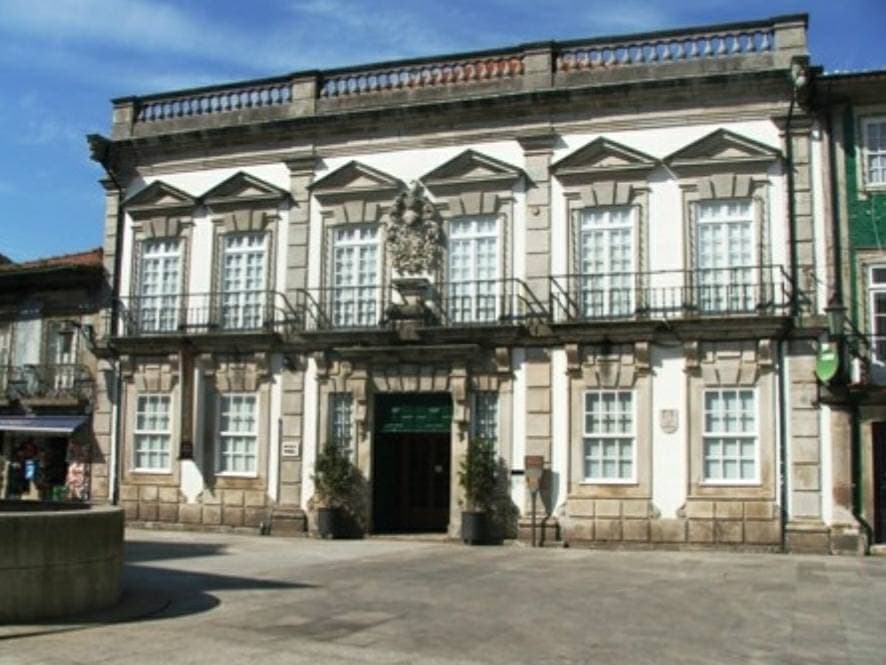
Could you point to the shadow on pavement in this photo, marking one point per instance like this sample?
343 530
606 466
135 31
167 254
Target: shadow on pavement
154 593
146 550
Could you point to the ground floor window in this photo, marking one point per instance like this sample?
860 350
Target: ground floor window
153 433
730 436
238 434
609 436
341 410
485 421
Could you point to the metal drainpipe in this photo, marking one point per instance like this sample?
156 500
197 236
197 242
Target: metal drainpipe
792 221
783 442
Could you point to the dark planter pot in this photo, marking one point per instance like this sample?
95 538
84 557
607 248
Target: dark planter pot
329 522
336 523
474 528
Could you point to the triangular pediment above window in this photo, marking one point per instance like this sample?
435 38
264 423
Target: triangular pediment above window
242 188
722 148
159 197
470 168
355 179
603 157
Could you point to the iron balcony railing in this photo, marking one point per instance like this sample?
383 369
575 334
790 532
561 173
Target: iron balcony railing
51 381
204 313
670 294
450 304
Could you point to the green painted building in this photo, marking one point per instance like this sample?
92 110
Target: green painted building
856 112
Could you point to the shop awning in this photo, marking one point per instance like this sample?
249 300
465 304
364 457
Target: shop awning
41 424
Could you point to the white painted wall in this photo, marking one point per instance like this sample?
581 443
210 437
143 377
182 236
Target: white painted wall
669 451
191 481
518 427
559 428
309 435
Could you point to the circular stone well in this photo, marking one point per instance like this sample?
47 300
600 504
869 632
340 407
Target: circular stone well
58 559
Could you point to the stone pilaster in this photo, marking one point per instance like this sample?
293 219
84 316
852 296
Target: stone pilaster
846 535
805 530
301 175
538 148
538 415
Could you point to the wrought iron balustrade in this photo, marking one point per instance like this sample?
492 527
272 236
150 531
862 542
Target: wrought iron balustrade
670 294
344 307
48 381
507 301
205 313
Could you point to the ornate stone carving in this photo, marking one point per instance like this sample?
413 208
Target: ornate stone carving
414 233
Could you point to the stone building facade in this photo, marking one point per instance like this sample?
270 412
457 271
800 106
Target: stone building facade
607 253
50 387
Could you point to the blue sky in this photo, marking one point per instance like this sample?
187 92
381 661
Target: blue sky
61 61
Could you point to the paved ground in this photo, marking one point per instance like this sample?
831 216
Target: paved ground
239 599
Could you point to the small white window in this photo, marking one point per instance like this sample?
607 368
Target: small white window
730 436
878 311
486 416
341 418
153 433
874 130
609 436
238 435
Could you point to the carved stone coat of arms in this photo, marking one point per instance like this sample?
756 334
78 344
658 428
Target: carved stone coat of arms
414 234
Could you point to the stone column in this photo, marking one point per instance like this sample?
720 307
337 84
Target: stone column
301 175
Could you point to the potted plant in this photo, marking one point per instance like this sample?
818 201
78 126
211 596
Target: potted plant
333 483
477 477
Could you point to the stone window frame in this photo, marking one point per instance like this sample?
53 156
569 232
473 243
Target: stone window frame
134 468
864 115
732 365
866 260
259 211
329 424
622 367
340 205
732 482
585 435
150 375
218 396
501 385
247 374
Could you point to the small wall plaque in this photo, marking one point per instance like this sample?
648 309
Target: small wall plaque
669 420
290 450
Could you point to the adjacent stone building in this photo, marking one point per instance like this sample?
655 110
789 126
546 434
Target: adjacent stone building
49 310
610 253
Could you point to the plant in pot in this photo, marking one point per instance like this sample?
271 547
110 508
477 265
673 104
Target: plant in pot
477 477
333 484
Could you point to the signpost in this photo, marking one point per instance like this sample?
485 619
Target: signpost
535 467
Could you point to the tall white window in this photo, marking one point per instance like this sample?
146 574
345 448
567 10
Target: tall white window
243 280
152 438
159 284
473 269
61 351
238 434
355 284
485 419
725 256
609 436
730 436
877 286
341 418
874 130
606 242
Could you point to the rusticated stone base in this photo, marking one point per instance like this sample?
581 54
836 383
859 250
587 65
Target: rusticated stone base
807 538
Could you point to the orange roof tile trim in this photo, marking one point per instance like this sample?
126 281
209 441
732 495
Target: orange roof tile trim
88 258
